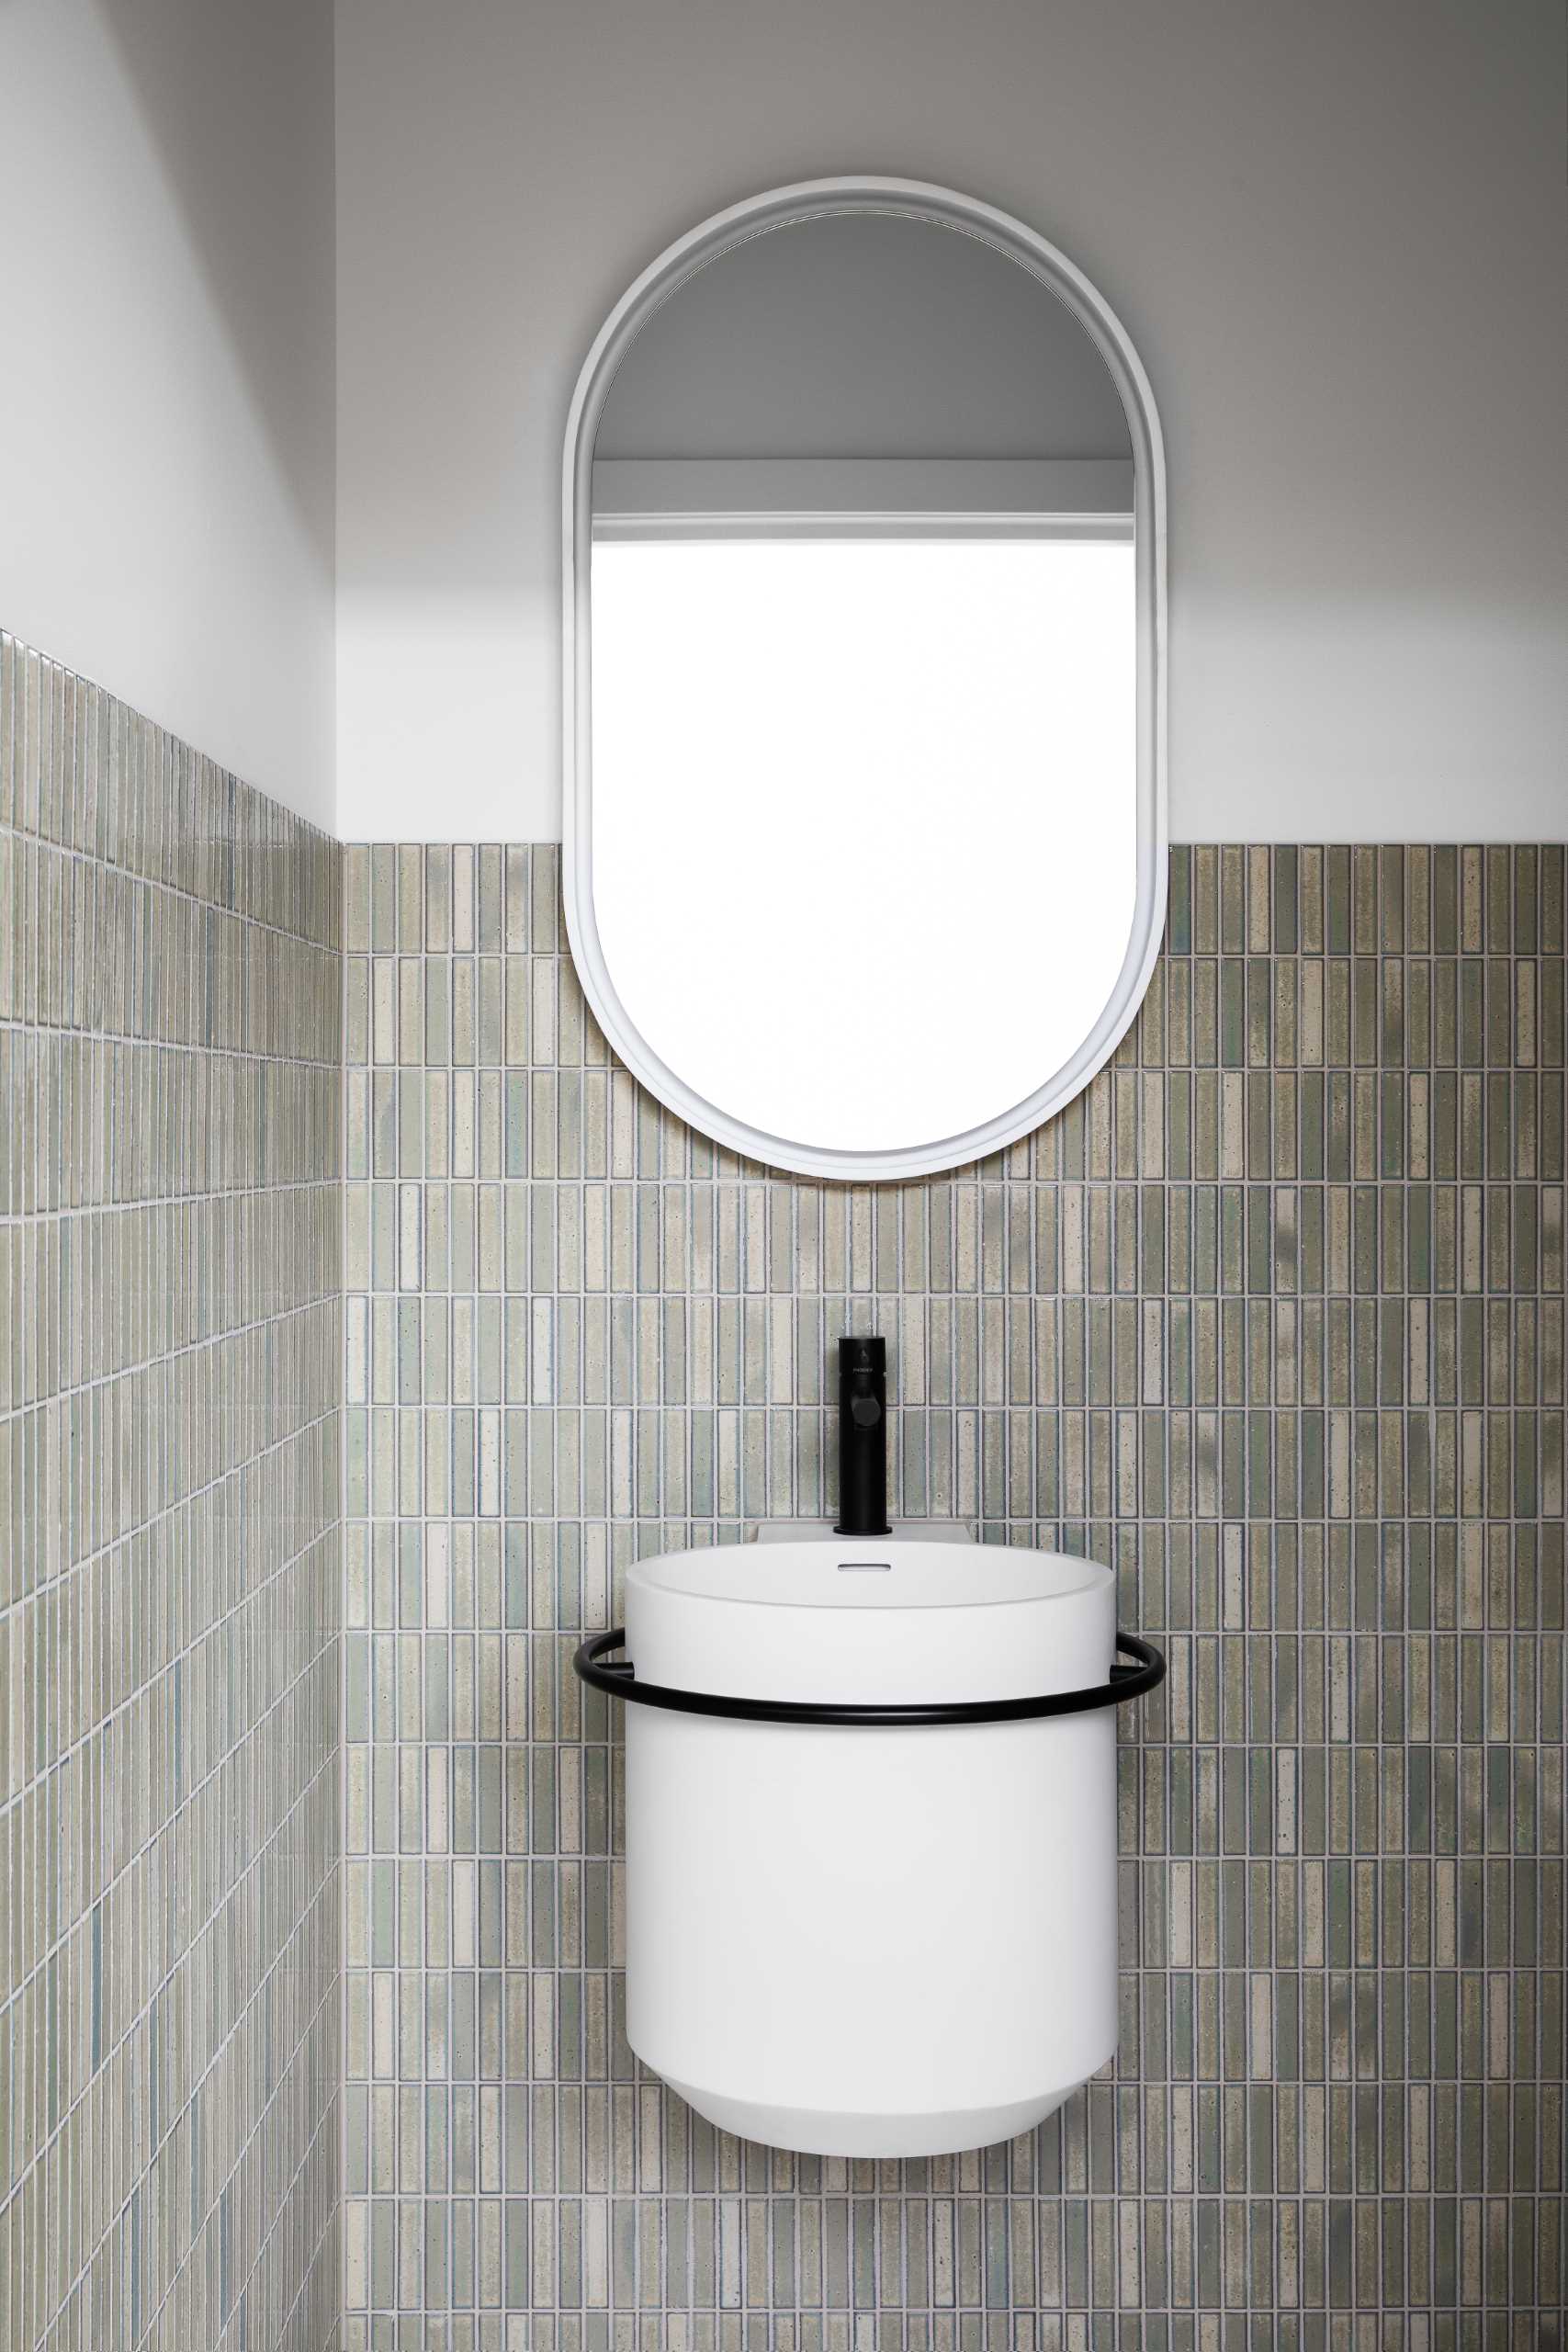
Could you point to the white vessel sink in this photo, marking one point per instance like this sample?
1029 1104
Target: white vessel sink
871 1941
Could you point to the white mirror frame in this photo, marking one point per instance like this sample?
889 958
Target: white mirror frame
812 200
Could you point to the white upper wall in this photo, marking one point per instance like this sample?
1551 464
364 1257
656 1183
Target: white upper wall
1339 235
166 395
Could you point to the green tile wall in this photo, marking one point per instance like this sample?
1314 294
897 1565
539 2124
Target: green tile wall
1272 1319
170 1571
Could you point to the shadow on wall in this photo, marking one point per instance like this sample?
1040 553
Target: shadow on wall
212 80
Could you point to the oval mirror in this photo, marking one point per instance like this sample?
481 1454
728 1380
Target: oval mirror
865 835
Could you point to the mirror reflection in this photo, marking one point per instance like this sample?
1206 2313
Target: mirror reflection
864 613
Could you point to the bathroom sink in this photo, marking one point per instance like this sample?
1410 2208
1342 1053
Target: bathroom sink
870 1617
859 1939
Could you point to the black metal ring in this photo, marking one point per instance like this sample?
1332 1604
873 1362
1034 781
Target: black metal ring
620 1682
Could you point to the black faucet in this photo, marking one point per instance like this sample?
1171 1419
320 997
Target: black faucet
862 1438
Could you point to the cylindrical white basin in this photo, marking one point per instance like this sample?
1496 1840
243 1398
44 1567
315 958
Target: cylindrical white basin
871 1941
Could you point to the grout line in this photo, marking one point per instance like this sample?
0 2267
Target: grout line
75 1212
241 852
261 1057
29 1407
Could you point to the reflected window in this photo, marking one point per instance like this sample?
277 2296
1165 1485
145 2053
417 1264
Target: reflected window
816 754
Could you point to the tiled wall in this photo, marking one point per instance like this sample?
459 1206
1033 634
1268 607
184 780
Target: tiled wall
1273 1319
170 1377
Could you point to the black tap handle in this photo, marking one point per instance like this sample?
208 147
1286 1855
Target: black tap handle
862 1437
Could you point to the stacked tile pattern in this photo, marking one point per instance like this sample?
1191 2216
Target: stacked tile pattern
1272 1319
170 1593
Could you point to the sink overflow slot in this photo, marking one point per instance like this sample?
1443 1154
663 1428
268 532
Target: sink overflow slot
864 1568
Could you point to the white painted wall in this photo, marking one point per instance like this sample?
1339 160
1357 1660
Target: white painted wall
1337 233
166 391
